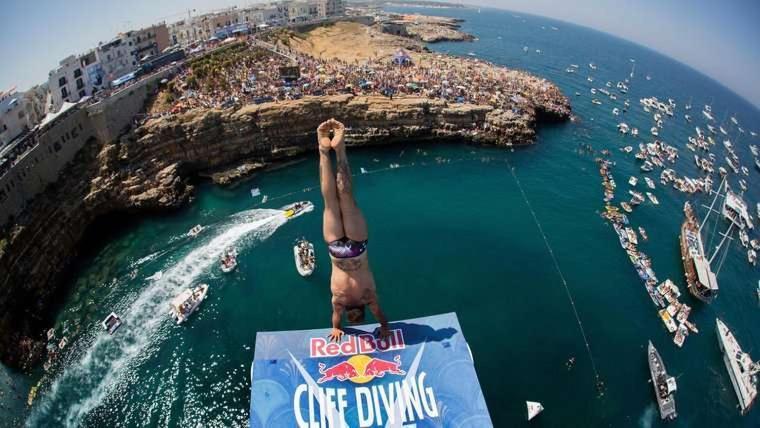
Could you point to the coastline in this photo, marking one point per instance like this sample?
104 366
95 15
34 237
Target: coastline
148 169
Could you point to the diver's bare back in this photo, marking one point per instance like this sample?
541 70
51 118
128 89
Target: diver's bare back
352 283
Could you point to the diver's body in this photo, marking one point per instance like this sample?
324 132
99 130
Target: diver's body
345 231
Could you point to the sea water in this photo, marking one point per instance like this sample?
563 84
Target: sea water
450 230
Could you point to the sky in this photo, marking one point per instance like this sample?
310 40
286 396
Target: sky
719 38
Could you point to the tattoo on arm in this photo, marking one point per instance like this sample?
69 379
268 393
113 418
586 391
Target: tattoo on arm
348 265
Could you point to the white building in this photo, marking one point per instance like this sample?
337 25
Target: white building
13 116
116 57
69 81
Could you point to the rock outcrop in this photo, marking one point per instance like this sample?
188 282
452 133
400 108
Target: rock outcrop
148 167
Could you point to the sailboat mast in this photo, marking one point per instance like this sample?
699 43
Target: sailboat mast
717 194
717 249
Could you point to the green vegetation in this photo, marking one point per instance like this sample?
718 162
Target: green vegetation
212 71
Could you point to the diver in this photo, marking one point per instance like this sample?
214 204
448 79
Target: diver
345 232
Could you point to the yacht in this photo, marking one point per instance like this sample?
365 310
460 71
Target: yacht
741 369
187 302
664 385
735 210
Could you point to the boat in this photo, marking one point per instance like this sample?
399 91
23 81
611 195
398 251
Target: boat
654 131
595 101
195 231
187 302
297 208
741 369
687 117
633 181
623 127
303 253
615 111
534 408
264 199
735 210
363 170
700 279
229 260
754 244
733 119
757 164
664 385
649 182
592 66
255 192
652 198
111 323
62 344
752 256
757 291
667 319
708 115
643 233
626 207
680 337
647 166
635 132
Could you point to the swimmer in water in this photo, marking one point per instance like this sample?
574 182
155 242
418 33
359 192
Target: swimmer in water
345 232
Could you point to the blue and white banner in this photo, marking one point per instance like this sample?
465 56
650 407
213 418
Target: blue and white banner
421 376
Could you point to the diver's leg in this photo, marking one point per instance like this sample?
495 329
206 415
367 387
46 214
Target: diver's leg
332 225
354 224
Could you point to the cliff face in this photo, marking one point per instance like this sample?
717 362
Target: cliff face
147 169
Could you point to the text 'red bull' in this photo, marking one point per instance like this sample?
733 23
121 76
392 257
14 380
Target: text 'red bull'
356 344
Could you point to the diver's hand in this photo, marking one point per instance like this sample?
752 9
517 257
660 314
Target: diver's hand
323 135
335 335
339 133
383 332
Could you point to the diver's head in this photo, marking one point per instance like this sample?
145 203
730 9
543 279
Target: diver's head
355 315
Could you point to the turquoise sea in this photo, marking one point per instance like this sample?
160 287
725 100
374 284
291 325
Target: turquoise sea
450 230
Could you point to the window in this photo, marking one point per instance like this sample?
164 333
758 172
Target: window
64 92
82 93
80 83
77 73
61 81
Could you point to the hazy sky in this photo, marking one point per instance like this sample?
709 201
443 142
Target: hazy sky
718 38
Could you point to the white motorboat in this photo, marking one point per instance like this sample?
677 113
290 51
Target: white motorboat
303 253
111 323
255 192
741 369
229 260
633 181
187 302
297 208
534 408
649 182
195 231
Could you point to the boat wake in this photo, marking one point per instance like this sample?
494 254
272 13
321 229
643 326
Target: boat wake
108 361
648 417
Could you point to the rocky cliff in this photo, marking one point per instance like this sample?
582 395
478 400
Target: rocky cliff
148 167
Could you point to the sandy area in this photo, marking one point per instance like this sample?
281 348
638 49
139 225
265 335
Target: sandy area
351 42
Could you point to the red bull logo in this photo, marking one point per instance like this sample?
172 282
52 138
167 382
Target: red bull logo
360 369
356 344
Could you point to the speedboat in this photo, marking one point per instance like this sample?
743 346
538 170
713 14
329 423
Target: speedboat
744 238
752 257
187 302
255 192
195 231
633 180
229 260
652 198
297 208
303 253
111 323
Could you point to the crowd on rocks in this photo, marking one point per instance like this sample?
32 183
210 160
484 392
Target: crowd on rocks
258 78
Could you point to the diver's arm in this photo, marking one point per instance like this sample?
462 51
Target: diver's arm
336 334
374 307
